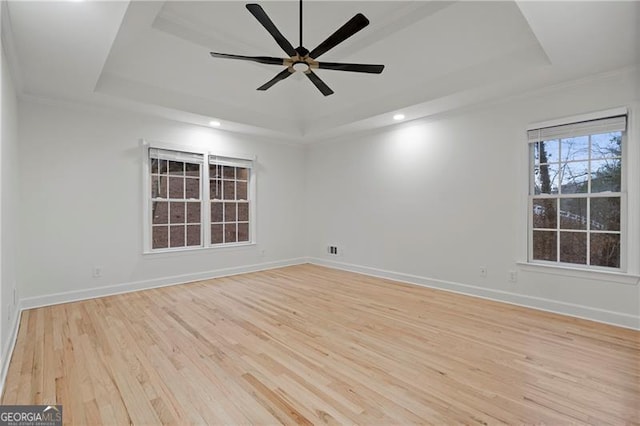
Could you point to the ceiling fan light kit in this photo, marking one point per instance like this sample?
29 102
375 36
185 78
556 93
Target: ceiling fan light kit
301 59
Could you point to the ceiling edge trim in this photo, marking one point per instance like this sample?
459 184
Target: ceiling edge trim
124 109
630 70
113 40
9 47
531 30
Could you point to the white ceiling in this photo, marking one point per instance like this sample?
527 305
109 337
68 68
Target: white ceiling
153 57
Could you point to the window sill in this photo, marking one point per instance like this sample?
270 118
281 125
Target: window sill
185 251
589 274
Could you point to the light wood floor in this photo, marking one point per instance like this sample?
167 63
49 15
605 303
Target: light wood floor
307 344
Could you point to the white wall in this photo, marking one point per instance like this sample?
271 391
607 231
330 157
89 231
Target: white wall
8 205
431 201
80 180
428 201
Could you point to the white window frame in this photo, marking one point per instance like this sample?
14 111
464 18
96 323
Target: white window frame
187 158
224 160
205 209
630 200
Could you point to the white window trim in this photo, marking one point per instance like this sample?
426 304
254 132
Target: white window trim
577 272
205 211
630 251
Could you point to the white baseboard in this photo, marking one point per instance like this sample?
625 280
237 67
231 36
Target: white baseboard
548 305
8 349
579 311
91 293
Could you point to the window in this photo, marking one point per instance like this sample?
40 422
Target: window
577 194
196 200
229 197
175 199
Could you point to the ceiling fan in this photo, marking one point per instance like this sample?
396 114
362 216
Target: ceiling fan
301 59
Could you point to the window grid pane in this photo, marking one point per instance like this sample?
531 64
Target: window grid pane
229 192
175 204
575 193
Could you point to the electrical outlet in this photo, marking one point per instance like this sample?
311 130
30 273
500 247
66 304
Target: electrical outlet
333 250
513 276
483 271
97 272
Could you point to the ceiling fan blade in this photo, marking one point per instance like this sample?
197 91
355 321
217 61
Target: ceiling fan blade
372 69
281 76
259 13
352 26
259 59
326 90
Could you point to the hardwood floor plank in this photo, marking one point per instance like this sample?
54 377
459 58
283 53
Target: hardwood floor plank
311 345
14 372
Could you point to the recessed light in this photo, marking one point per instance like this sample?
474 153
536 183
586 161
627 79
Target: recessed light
398 117
214 123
